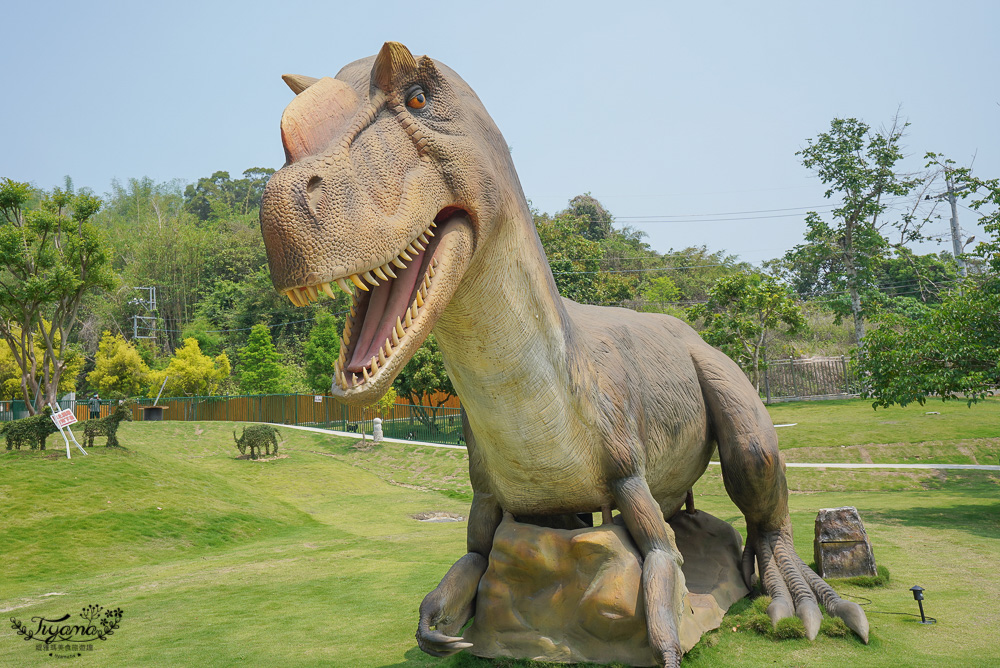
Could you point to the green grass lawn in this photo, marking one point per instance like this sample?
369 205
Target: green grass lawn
315 558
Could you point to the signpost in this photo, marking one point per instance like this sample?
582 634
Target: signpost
63 419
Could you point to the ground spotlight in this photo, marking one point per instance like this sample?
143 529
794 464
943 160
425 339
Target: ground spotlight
918 596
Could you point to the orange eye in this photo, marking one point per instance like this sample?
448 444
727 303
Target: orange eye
417 100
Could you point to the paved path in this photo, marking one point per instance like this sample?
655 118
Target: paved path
351 434
810 465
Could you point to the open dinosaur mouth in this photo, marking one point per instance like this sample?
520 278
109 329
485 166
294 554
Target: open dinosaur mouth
390 305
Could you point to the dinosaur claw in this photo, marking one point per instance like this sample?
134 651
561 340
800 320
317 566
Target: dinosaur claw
855 618
811 618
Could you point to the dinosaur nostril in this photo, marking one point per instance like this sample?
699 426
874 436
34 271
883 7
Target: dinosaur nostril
314 193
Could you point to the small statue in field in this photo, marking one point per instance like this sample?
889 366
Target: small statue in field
257 437
107 426
31 431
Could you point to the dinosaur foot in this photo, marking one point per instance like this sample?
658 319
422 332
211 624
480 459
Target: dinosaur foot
445 610
793 587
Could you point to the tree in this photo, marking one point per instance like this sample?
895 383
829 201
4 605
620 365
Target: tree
321 351
597 219
951 351
859 166
261 370
744 312
218 196
118 368
424 378
191 373
50 258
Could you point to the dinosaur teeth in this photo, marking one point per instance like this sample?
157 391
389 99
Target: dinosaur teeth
412 250
358 282
343 286
288 293
374 365
399 327
381 274
430 270
387 348
388 270
354 379
364 372
433 224
342 358
416 244
413 309
419 300
427 281
423 237
329 291
395 335
368 277
381 356
406 257
312 292
399 263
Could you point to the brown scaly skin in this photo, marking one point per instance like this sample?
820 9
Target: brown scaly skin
571 408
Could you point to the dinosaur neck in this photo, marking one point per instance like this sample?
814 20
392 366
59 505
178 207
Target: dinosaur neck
503 333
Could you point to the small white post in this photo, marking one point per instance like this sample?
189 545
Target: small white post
377 430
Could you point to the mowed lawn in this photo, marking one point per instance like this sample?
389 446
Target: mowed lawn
315 558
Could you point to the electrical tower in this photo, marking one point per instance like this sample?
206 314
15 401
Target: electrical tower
144 326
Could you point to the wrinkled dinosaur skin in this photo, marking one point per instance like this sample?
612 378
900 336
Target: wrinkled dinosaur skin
570 408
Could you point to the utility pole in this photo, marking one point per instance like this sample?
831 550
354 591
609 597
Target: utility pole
956 231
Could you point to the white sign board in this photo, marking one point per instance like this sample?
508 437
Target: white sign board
64 418
318 398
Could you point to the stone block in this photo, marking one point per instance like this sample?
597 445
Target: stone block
841 547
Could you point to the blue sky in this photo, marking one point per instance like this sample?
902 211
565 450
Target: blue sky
658 109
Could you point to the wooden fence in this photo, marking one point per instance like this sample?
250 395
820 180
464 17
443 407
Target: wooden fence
811 378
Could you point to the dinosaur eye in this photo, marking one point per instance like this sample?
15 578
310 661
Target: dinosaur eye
416 99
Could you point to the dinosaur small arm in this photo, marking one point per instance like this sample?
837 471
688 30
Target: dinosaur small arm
399 189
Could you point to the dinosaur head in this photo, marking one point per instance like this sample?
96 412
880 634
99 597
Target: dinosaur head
389 187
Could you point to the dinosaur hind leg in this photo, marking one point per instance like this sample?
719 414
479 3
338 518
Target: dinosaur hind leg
754 477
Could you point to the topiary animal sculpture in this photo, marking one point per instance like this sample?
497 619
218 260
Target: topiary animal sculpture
107 426
257 437
31 431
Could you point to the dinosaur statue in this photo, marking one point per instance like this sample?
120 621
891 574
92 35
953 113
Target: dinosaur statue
257 437
399 188
107 426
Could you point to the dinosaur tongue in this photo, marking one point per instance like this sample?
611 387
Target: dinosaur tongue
378 310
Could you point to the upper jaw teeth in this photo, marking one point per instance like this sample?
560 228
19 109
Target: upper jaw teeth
303 295
347 380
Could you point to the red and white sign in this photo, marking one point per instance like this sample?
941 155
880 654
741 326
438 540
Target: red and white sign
64 418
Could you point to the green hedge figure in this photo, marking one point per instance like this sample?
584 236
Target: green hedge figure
31 431
107 426
257 437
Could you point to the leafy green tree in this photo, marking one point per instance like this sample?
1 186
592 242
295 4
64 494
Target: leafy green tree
261 370
859 166
50 258
119 370
321 351
597 220
218 195
207 333
744 312
190 372
951 351
695 270
423 379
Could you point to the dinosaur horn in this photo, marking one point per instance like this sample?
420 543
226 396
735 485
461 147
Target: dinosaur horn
316 116
393 60
298 82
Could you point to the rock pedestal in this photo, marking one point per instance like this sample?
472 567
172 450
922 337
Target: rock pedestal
841 548
576 595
